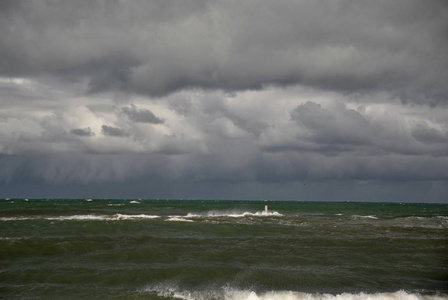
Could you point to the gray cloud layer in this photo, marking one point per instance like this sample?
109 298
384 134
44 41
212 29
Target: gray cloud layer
158 47
141 115
113 131
226 96
215 137
82 131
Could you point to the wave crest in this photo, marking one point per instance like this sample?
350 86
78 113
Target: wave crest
116 217
236 294
221 214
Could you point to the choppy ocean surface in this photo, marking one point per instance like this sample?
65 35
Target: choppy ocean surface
182 249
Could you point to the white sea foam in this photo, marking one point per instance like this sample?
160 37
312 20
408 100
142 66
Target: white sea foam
134 202
130 217
104 217
235 294
178 219
256 214
77 218
420 218
190 215
115 217
365 217
220 214
15 218
188 218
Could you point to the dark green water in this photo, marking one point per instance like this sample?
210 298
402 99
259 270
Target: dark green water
148 249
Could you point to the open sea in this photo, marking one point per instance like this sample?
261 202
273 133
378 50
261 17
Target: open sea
192 249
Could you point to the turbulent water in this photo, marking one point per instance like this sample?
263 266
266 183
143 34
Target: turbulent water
178 249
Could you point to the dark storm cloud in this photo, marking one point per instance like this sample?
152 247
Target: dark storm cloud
268 137
348 127
82 131
158 47
252 94
113 131
427 134
141 115
337 130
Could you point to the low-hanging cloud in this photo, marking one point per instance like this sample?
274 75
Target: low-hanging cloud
113 131
157 48
82 131
141 115
220 140
429 135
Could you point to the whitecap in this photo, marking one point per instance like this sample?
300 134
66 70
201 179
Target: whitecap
77 218
214 214
116 217
256 214
172 291
365 217
178 219
130 217
14 218
190 215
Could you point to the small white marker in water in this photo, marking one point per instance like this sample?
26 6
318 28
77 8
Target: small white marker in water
266 209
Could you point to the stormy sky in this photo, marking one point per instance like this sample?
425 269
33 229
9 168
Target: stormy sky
222 99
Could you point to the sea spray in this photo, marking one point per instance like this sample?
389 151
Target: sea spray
171 291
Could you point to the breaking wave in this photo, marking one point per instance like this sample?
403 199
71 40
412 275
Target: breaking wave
364 217
235 214
82 217
187 218
178 219
172 292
